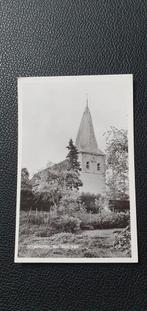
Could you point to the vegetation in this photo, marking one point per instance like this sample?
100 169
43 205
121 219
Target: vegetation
117 163
92 203
56 213
104 220
39 239
26 195
72 156
123 241
73 173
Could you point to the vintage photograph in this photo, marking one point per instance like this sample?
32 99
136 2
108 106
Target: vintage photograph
76 180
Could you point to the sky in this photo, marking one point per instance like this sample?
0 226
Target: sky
51 108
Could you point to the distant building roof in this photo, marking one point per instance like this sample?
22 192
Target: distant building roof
61 166
86 140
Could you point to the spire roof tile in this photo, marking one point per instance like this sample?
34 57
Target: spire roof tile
86 140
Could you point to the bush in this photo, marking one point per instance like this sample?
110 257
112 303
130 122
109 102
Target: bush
105 221
42 202
26 199
58 223
30 200
92 202
66 224
70 202
43 224
123 241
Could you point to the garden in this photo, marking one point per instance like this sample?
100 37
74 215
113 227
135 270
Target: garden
58 220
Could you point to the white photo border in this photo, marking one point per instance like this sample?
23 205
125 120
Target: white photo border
133 221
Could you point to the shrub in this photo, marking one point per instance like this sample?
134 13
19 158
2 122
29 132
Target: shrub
105 221
123 241
66 224
70 202
92 203
26 199
42 202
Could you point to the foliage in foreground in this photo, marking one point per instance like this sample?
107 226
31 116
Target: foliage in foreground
92 202
104 220
123 241
69 245
45 235
117 163
46 224
43 225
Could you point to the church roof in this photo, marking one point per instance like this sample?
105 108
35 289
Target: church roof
86 140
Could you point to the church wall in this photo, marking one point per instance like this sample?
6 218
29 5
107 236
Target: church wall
93 183
92 178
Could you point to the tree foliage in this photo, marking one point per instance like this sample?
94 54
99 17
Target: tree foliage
117 163
57 184
72 156
73 172
72 180
60 183
25 178
26 195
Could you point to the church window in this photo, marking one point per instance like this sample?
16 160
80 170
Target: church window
98 166
87 165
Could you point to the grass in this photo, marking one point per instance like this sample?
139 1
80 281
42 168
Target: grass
69 245
38 237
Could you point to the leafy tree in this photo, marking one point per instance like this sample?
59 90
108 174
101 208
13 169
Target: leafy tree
72 180
70 202
117 163
24 177
26 196
50 191
59 182
57 186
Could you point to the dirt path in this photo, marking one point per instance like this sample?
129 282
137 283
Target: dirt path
106 233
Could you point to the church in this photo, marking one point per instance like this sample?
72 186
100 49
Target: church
92 159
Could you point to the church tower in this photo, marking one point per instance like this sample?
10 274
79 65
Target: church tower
92 159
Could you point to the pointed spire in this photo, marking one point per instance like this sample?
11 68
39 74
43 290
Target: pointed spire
86 140
87 101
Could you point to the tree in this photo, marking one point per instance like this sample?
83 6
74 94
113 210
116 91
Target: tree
51 190
59 181
117 163
24 177
72 156
72 180
26 196
70 202
60 184
72 175
55 187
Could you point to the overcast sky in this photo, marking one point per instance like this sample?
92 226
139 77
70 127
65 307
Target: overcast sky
52 109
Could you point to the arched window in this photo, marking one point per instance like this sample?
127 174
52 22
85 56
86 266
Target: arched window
98 166
87 165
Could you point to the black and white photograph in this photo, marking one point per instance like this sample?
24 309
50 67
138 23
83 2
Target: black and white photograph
76 179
